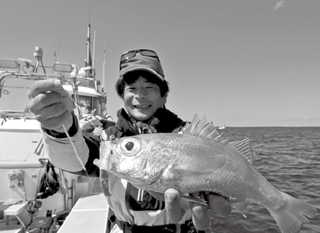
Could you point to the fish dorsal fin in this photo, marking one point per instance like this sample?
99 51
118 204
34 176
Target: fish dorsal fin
243 147
188 129
204 128
201 128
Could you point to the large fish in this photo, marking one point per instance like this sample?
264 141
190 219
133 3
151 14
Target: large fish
197 161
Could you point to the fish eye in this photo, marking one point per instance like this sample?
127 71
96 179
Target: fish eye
130 147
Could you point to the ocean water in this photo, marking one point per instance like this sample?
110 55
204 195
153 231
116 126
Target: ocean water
289 158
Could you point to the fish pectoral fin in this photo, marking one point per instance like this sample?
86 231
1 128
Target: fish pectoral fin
240 207
188 198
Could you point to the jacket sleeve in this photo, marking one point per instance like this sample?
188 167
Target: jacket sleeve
72 158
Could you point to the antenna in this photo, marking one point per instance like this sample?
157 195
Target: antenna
88 59
104 49
94 48
104 68
38 54
56 56
89 11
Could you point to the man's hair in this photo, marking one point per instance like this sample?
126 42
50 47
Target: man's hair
132 76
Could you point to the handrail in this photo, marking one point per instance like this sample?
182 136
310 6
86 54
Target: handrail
74 79
25 76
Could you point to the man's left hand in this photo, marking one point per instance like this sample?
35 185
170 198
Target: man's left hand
200 216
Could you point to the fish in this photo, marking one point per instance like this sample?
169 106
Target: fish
199 159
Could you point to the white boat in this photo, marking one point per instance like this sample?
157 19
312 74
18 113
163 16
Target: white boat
221 127
22 156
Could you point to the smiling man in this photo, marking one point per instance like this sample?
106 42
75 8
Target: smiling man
144 91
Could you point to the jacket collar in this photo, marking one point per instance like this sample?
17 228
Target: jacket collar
163 121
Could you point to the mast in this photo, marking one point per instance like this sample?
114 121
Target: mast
88 61
93 49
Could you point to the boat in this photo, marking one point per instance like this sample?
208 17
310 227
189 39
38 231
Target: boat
24 164
221 127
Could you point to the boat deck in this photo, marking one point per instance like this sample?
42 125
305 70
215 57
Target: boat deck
88 215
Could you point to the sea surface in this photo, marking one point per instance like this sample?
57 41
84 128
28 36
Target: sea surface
289 158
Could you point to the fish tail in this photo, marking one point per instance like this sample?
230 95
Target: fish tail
292 214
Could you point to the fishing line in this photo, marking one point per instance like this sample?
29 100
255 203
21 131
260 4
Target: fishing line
69 138
75 150
80 161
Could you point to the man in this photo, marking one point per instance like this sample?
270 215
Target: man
144 92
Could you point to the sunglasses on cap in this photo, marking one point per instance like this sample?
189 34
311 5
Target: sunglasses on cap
132 53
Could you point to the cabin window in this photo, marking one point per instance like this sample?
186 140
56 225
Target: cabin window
85 104
88 104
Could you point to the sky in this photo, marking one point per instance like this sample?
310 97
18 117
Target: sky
237 62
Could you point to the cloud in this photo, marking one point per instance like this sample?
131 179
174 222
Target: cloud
279 4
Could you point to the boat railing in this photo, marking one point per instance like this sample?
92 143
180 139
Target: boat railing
76 80
67 77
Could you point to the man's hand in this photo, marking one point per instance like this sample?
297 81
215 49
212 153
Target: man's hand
173 207
51 104
200 216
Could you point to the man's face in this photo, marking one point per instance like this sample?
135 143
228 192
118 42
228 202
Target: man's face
142 99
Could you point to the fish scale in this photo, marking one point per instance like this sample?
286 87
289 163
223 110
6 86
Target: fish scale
199 160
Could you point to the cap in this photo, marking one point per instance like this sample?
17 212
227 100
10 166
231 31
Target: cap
150 64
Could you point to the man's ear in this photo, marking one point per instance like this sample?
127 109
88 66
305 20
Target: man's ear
164 99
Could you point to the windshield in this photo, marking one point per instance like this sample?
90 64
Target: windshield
89 105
